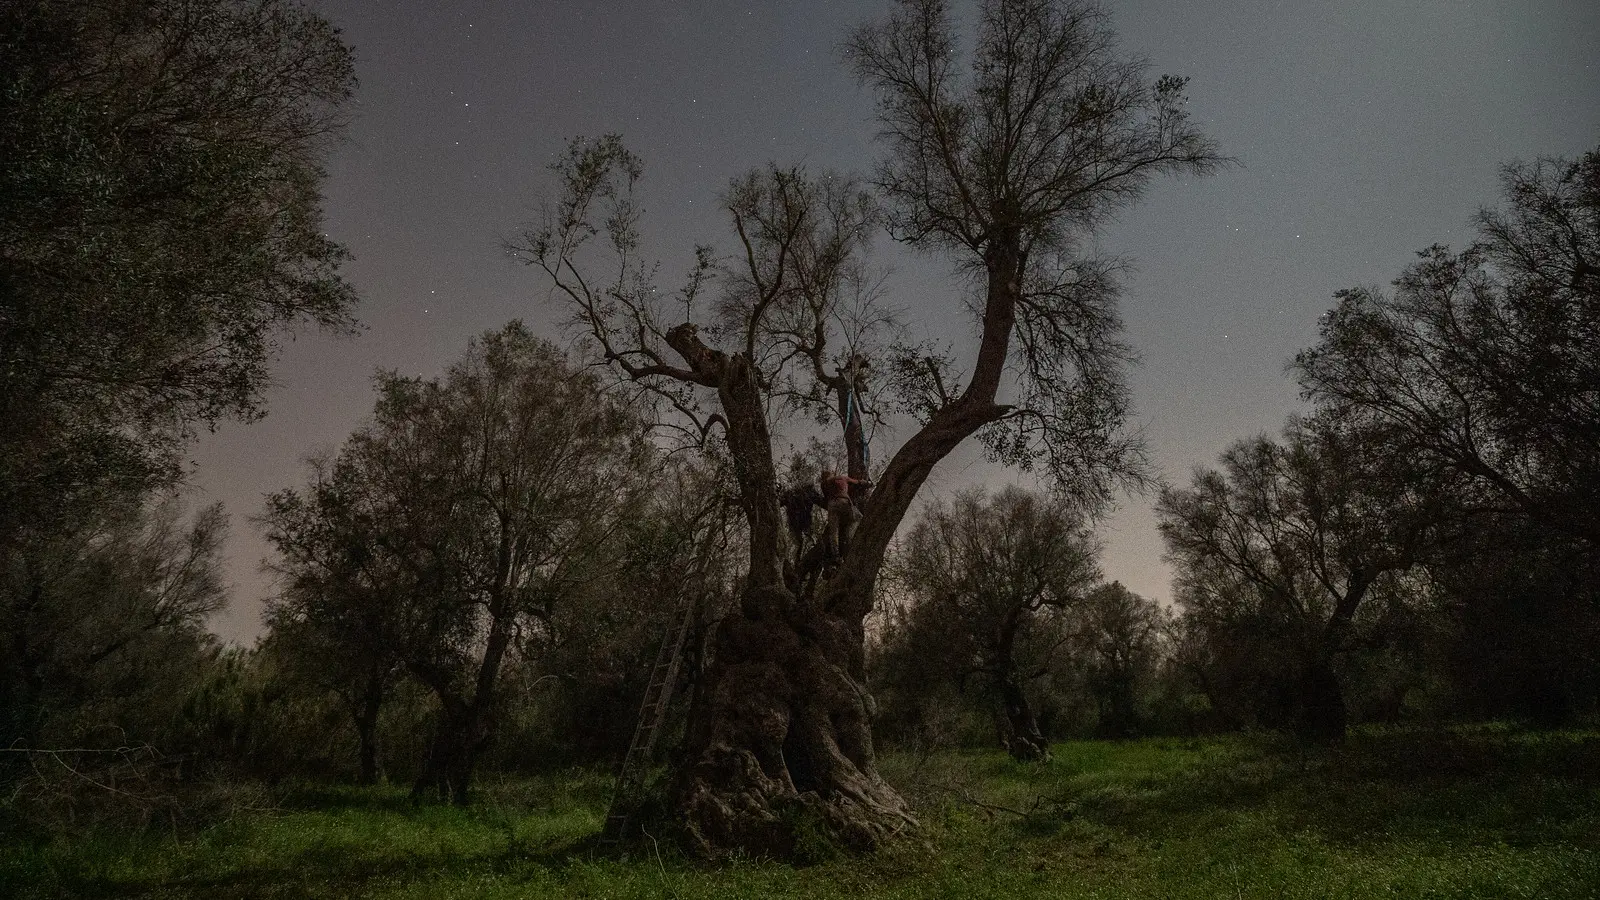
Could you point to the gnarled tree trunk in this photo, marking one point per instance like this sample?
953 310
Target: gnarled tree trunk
785 731
452 754
1020 732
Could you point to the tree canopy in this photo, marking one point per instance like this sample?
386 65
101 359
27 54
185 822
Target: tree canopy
160 224
991 585
1288 543
1488 359
455 526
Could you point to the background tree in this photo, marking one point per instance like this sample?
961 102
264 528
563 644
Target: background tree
1486 360
159 228
990 583
1006 169
104 627
480 502
1118 637
337 619
160 224
1282 549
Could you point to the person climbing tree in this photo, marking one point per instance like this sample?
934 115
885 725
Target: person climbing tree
842 511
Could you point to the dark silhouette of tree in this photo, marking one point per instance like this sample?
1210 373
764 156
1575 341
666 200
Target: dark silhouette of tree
336 619
1522 635
1118 637
97 619
160 225
989 585
675 547
1486 360
477 504
1005 169
1280 551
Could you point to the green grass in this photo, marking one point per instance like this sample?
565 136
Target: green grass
1485 812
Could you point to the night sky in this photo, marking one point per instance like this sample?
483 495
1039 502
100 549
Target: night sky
1364 131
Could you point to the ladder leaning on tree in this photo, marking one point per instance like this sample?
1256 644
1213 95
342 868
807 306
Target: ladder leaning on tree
657 695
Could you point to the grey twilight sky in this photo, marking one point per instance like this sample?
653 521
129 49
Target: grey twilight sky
1366 129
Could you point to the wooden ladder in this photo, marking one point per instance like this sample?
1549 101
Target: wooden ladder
663 678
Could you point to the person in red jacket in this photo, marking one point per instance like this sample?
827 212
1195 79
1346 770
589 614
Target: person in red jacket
842 513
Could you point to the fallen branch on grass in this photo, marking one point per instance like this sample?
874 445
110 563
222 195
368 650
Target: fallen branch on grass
966 796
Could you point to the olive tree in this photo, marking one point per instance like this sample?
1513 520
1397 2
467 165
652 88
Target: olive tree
992 584
1486 360
477 504
1004 166
1290 542
102 627
335 618
159 229
1119 636
160 226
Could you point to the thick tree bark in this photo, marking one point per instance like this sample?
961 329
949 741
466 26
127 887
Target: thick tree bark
784 732
1021 735
1322 717
783 727
366 716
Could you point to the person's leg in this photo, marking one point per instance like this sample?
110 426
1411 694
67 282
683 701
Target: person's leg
847 527
837 526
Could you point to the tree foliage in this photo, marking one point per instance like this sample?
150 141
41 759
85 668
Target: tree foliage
453 528
104 625
1484 363
1280 552
1119 638
1487 360
160 225
1009 168
588 671
159 229
338 617
1519 630
990 586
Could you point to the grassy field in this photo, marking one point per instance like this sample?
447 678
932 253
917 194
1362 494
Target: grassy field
1484 812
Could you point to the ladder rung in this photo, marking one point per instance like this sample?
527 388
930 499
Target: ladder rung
652 709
